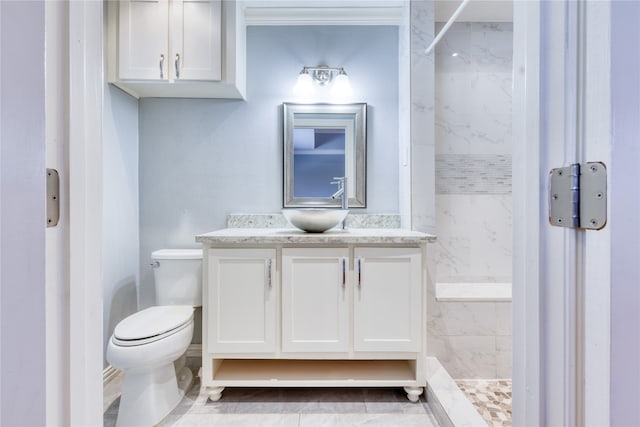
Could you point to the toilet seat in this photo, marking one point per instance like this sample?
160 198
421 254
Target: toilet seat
152 324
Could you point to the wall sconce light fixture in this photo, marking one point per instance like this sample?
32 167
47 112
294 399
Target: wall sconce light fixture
323 75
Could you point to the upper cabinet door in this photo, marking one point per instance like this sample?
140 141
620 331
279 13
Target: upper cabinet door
196 42
315 300
387 299
143 35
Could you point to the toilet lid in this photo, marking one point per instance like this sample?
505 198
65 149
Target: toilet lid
153 321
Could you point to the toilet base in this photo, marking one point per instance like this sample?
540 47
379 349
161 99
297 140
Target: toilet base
149 395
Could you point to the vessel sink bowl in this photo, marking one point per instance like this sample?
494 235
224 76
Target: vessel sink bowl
315 220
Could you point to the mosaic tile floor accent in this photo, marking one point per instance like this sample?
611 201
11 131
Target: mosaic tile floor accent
492 399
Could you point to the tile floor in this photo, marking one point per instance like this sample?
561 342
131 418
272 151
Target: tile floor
293 407
492 399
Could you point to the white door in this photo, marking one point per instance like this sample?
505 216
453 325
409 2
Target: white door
624 200
240 297
315 300
143 40
196 44
23 296
387 299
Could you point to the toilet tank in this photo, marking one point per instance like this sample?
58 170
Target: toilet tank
177 276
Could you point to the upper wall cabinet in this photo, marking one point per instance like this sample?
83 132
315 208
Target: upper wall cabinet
159 40
177 48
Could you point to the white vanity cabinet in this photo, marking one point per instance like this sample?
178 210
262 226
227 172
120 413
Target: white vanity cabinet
176 48
290 309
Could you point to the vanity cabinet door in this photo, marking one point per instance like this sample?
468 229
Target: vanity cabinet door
143 40
241 301
387 299
315 300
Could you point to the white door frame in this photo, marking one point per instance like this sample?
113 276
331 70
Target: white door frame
85 97
597 244
56 238
539 365
526 214
561 276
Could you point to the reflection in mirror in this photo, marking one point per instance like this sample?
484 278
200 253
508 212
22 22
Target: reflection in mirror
322 142
318 154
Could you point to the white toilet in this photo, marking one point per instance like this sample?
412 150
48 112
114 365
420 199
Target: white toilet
149 346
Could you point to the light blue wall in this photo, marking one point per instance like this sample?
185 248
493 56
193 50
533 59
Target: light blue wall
120 218
203 159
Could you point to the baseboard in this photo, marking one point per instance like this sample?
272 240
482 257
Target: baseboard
194 350
108 374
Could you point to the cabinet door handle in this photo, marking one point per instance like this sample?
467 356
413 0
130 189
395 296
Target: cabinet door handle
344 271
177 65
269 273
359 272
162 66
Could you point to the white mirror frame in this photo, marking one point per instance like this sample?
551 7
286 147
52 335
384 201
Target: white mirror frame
351 118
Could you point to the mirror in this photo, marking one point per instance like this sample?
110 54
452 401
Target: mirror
321 142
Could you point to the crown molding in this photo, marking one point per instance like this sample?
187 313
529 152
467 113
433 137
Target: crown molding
324 13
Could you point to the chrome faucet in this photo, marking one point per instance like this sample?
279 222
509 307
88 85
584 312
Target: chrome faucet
343 194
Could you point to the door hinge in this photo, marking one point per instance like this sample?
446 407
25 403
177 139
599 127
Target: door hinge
578 196
53 197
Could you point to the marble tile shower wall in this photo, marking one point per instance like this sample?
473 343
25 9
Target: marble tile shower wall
473 197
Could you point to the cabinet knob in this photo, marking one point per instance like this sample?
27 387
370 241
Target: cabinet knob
162 66
177 63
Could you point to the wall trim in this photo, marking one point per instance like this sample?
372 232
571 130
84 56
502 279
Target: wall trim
378 15
194 350
109 374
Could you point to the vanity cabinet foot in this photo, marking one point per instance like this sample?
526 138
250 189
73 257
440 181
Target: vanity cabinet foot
214 393
413 393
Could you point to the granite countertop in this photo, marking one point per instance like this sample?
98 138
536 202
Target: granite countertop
294 236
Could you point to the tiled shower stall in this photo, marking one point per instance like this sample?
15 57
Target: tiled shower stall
469 301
